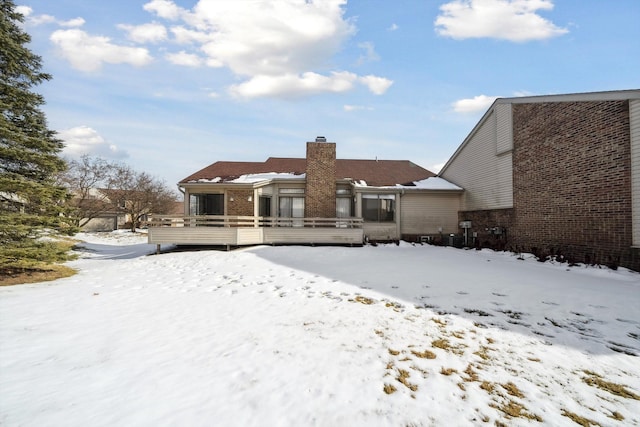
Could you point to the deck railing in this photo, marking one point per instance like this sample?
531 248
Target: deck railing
251 221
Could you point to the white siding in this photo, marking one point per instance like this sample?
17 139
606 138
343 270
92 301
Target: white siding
429 213
101 224
634 115
380 230
306 235
254 235
504 129
485 176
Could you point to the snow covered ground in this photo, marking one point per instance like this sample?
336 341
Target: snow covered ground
324 336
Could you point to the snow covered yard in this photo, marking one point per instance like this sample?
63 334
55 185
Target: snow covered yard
325 336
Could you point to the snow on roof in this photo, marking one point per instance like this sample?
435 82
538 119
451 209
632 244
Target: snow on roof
258 177
431 183
216 179
435 183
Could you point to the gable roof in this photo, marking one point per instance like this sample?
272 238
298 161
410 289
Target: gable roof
377 173
614 95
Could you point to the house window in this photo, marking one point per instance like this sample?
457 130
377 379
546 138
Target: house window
291 207
378 207
343 207
265 206
291 191
206 204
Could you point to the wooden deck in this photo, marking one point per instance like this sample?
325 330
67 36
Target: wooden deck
249 230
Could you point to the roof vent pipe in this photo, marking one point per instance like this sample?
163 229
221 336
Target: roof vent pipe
321 139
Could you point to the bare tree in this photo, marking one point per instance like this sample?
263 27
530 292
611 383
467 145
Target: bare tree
138 194
86 179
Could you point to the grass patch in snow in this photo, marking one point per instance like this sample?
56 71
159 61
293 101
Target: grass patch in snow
472 375
514 409
403 377
448 371
584 422
512 389
441 343
424 354
616 416
389 389
487 386
483 353
439 322
362 300
595 380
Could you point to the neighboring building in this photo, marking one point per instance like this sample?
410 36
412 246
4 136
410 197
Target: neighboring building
556 174
103 216
107 215
317 199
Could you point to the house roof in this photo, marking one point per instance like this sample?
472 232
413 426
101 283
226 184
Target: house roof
375 173
614 95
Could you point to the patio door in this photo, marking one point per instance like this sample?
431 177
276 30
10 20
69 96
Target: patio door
291 207
343 210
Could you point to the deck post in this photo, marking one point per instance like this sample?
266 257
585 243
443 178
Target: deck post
158 249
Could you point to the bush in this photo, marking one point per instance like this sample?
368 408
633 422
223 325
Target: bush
33 255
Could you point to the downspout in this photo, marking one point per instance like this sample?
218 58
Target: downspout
398 225
184 201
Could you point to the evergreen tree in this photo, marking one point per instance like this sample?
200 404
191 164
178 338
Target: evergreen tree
30 200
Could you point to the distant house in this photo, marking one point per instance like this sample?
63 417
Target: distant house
106 208
317 199
556 174
102 215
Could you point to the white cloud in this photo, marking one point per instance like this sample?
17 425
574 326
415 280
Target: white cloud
184 58
88 53
293 85
24 10
369 53
473 105
76 22
278 48
183 35
306 84
393 27
350 108
377 85
513 20
82 140
145 33
166 9
272 37
36 20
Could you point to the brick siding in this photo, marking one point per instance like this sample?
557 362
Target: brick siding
320 201
241 205
571 185
572 181
484 223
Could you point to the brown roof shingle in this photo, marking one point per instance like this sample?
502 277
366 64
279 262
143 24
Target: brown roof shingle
374 172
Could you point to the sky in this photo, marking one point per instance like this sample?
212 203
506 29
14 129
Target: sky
296 336
171 86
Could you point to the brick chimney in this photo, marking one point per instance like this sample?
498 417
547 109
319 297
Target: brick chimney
321 179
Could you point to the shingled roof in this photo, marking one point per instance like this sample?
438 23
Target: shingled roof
377 173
